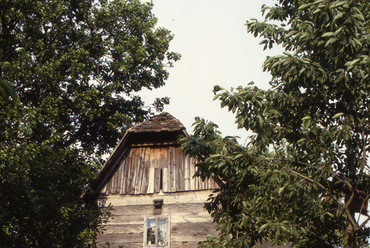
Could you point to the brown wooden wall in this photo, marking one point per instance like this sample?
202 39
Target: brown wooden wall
190 223
142 168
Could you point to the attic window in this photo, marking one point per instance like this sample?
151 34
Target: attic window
161 180
158 180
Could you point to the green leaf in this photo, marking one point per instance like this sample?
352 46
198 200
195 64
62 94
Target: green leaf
263 227
337 115
328 34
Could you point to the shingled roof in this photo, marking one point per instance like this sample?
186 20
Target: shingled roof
163 122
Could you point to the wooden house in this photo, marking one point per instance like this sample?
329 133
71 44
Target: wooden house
149 182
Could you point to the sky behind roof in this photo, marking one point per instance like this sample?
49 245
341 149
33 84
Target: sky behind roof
216 49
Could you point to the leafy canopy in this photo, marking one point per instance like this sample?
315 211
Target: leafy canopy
76 68
304 173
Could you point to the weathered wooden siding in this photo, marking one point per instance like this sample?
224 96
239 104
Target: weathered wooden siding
145 170
189 221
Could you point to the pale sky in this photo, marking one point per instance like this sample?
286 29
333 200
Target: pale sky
216 49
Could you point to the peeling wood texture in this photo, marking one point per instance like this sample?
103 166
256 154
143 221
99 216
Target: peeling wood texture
147 170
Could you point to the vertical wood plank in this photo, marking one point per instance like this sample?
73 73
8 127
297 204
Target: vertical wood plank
132 172
136 168
182 159
165 178
115 183
151 180
129 177
157 175
192 172
124 177
145 179
122 182
162 160
169 179
111 185
127 170
140 170
187 172
173 169
119 179
153 158
180 183
126 173
143 168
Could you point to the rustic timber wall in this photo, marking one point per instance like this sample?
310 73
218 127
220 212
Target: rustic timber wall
147 170
189 221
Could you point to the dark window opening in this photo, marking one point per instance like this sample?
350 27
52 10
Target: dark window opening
161 180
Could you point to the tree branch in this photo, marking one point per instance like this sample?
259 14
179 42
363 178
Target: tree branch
317 183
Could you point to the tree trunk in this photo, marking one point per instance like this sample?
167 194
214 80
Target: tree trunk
349 236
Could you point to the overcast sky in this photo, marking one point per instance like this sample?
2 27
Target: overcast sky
216 49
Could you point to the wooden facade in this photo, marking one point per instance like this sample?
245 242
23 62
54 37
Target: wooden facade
157 203
148 170
149 182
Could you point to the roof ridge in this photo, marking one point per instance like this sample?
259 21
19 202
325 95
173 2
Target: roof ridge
163 122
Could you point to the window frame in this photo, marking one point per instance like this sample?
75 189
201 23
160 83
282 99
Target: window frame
168 234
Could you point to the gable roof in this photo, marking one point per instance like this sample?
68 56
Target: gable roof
162 125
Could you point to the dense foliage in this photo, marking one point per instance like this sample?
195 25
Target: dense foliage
304 174
6 91
75 68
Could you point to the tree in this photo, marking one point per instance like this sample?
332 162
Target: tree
304 173
76 68
6 91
